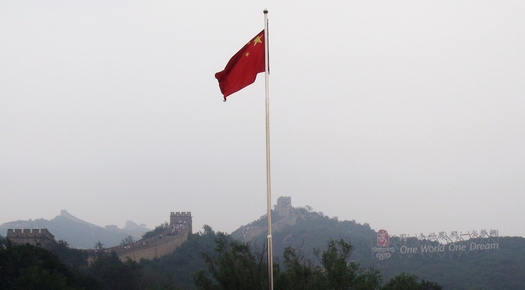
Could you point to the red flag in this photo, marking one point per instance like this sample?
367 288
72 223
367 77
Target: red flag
243 67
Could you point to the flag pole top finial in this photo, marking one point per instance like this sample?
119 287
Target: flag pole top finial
265 11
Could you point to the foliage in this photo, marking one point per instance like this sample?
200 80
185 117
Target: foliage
77 234
338 273
29 267
402 282
405 281
497 269
157 231
115 274
299 273
100 251
312 230
68 256
298 263
180 267
500 269
334 271
234 265
427 285
3 242
127 241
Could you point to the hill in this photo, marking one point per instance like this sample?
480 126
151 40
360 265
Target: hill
495 263
76 232
501 267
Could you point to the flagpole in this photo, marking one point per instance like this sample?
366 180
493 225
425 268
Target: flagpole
268 180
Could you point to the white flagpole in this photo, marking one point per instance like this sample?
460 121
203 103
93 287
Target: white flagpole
268 180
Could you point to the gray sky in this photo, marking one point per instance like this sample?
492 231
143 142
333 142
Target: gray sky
407 115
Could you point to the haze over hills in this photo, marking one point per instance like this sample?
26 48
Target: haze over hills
303 229
79 233
469 262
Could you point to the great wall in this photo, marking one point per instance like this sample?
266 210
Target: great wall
178 231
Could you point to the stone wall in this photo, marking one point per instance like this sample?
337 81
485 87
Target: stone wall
155 247
152 248
36 237
181 217
161 245
284 206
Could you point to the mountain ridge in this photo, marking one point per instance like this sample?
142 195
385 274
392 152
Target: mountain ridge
77 232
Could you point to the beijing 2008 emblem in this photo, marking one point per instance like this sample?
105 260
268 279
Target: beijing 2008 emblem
383 251
382 238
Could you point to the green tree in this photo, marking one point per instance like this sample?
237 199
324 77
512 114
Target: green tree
127 241
336 272
339 274
157 231
234 265
29 267
100 250
37 277
115 274
299 273
3 242
427 285
179 268
68 256
402 281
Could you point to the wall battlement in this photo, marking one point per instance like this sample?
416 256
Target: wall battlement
181 218
284 206
151 248
35 237
181 214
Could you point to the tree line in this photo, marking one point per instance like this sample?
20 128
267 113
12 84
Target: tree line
224 263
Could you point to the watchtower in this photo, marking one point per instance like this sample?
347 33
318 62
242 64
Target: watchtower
181 218
284 205
36 237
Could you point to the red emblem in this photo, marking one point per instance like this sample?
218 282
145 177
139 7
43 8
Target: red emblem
382 238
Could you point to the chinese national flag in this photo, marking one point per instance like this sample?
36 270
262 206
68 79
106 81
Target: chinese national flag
243 67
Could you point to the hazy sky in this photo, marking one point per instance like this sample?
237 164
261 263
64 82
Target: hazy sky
407 115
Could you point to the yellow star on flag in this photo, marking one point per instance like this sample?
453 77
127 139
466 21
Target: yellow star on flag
257 40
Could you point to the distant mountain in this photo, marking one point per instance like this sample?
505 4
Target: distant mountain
78 233
305 229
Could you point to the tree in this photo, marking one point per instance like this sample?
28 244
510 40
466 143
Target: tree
3 242
100 251
179 269
127 241
299 273
29 267
427 285
234 265
157 231
336 272
402 281
116 274
68 256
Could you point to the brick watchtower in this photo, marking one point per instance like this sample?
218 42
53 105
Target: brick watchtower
181 217
36 237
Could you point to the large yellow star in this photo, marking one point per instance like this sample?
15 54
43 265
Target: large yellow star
257 40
